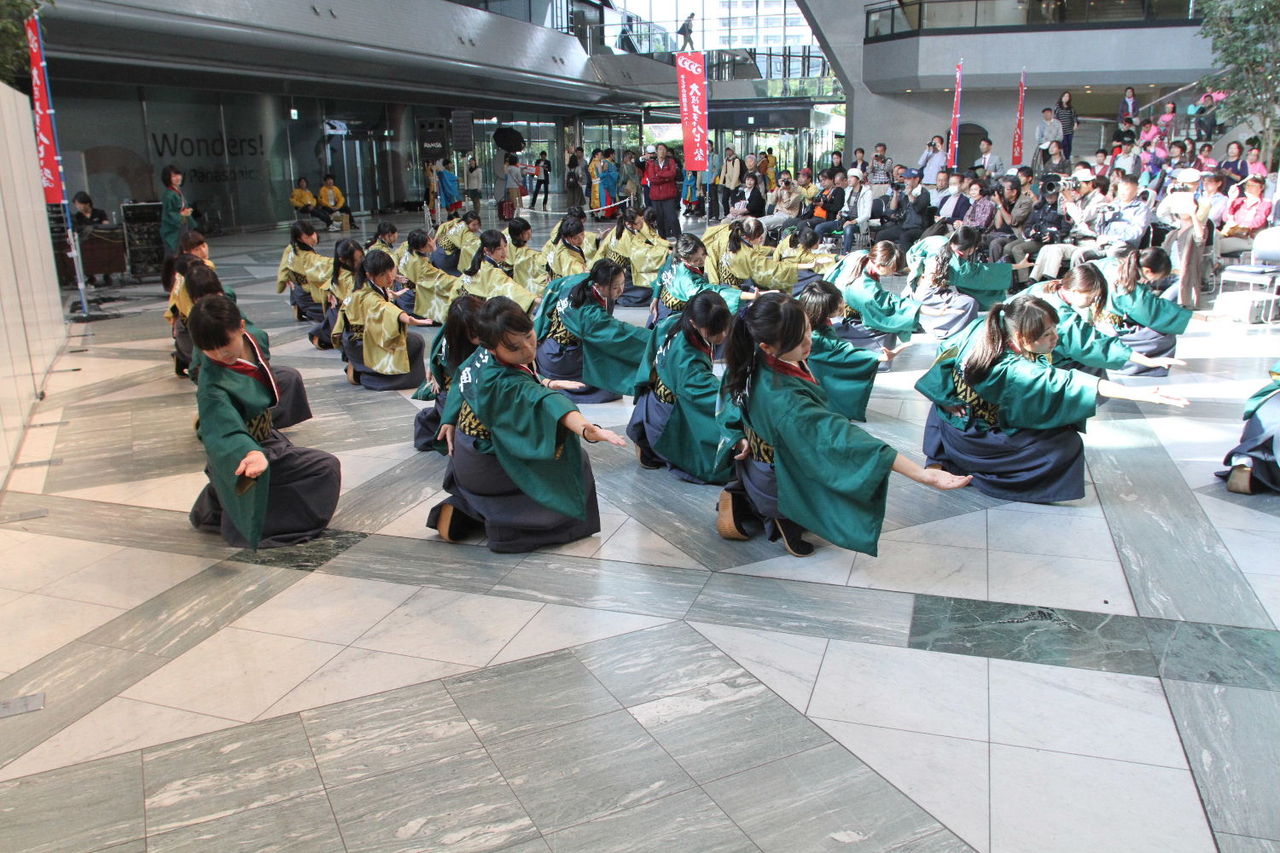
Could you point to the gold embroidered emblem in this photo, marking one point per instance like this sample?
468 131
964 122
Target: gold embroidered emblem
761 450
470 424
260 427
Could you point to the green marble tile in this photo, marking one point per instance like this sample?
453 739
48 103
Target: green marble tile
84 807
1216 654
307 556
1032 634
1240 844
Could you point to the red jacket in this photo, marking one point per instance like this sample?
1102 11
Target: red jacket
662 179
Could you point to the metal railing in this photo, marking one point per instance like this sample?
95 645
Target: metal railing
889 19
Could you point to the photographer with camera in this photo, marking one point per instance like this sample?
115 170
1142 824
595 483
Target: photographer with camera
906 211
932 160
787 201
1083 200
1045 225
854 216
1013 208
1120 225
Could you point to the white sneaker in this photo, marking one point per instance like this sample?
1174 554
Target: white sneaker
333 226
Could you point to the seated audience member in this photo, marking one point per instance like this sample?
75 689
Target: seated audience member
906 212
952 208
332 201
86 215
1123 223
304 202
1046 225
1244 216
1014 204
787 201
1083 200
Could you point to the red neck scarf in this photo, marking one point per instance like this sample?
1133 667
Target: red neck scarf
698 342
786 368
596 293
256 369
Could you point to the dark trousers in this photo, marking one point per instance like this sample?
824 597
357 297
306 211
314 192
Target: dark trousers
904 237
317 212
668 217
546 192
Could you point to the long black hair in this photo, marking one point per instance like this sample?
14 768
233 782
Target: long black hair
628 216
819 300
803 237
385 229
775 319
459 329
516 229
489 241
964 239
602 274
344 258
569 227
212 321
706 310
1027 318
497 318
200 281
376 263
741 231
297 231
418 240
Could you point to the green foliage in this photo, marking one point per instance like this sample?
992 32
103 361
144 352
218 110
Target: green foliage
1245 37
15 60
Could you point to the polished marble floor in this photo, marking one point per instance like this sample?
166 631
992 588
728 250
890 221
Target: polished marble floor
1099 676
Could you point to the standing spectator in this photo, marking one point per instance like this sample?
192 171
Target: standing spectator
542 182
661 172
450 194
175 214
629 178
686 33
711 181
1128 106
837 160
431 189
731 174
1049 130
988 160
932 159
879 171
649 152
1205 121
474 180
860 164
573 183
513 180
332 201
304 202
1067 116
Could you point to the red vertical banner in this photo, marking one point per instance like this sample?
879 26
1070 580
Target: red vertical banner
954 147
691 79
1017 124
46 141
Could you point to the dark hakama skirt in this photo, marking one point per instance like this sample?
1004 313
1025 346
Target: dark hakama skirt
426 424
648 421
633 295
1031 465
303 496
182 346
293 406
864 337
513 522
446 262
312 311
353 351
1152 344
561 361
758 483
407 301
663 312
1258 442
961 310
321 334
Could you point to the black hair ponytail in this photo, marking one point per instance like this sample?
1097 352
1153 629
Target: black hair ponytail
490 240
602 274
1027 317
706 310
773 318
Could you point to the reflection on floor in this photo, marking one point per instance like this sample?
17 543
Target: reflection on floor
1103 675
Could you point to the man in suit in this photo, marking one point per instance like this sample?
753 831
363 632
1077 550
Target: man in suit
989 161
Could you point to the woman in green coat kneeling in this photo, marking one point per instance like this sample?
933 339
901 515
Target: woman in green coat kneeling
516 467
799 465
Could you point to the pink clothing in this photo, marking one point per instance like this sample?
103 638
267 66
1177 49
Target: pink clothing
1247 212
1207 164
1258 168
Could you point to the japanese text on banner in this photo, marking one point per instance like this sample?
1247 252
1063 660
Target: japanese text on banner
691 78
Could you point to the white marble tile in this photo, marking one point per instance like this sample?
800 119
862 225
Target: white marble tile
119 725
327 608
937 569
360 672
1267 588
1071 803
909 689
127 577
358 469
7 595
827 564
785 663
40 560
558 627
412 524
1102 714
34 625
1223 514
635 543
10 537
1255 551
1099 586
1088 506
1039 533
457 627
961 531
589 545
947 777
178 491
235 673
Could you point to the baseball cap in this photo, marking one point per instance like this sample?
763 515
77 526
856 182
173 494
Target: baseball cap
651 149
1188 176
1083 174
911 173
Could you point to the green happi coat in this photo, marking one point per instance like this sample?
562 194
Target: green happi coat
233 421
1263 394
986 282
877 308
436 368
691 437
1019 392
1079 341
611 349
677 283
523 419
833 478
844 371
551 294
1140 307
